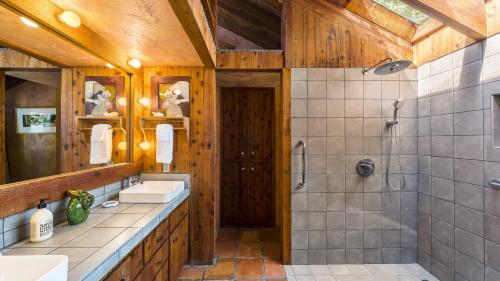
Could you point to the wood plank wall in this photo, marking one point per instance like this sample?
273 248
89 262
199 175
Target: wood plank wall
10 58
3 157
246 59
76 148
200 156
318 34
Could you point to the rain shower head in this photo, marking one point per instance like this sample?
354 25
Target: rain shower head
392 67
388 68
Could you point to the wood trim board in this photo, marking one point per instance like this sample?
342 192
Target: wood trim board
21 196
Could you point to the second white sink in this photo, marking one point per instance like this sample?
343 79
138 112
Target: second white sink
152 192
31 268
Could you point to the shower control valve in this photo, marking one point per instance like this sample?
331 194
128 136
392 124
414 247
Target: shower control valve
365 167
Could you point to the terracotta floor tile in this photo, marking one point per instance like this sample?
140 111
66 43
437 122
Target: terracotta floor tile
271 235
271 249
249 236
224 269
274 269
249 268
227 236
192 273
226 249
250 250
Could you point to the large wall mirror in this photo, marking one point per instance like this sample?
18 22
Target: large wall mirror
62 108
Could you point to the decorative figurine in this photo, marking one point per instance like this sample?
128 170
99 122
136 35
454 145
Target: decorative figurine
79 206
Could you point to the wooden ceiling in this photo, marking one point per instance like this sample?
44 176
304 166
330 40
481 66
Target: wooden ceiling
146 29
257 22
41 43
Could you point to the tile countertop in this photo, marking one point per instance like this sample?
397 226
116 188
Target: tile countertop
97 245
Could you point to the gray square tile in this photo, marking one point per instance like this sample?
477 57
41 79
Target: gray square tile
373 239
316 89
442 231
492 255
354 89
335 182
335 127
443 210
468 267
373 201
354 239
443 188
334 107
469 195
391 238
336 239
317 202
469 244
354 220
442 125
469 219
353 108
317 239
469 147
336 220
354 201
317 221
335 201
492 228
468 123
442 104
335 89
316 108
372 220
468 99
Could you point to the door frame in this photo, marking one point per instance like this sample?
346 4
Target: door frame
279 80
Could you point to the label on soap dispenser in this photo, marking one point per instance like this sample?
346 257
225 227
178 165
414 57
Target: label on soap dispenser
46 228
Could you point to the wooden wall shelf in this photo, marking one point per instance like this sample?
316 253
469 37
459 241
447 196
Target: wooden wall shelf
179 123
85 124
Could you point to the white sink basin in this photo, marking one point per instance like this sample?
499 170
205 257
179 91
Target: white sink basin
152 192
34 268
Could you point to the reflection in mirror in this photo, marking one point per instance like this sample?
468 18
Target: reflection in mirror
31 106
59 120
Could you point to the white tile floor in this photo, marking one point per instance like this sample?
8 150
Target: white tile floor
358 272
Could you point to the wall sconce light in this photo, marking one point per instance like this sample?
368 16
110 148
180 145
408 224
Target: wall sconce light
135 63
144 101
145 145
108 65
70 18
122 145
29 22
122 101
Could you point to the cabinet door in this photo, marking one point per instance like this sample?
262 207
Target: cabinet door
257 194
231 193
121 273
230 125
258 122
179 240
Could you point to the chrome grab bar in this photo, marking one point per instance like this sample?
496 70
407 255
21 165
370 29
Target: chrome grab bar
494 184
304 168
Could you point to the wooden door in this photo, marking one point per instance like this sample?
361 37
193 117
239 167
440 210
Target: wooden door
247 169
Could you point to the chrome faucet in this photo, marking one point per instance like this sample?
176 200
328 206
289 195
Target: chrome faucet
133 180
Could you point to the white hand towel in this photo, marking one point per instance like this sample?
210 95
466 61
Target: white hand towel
101 144
164 143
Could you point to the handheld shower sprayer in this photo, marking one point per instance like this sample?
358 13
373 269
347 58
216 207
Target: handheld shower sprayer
398 104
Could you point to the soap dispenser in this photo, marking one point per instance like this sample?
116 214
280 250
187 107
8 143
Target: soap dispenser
41 223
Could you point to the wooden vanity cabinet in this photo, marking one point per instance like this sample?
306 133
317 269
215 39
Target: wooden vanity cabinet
161 255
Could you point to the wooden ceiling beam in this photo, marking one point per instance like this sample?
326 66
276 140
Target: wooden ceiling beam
251 21
426 29
230 38
192 18
466 16
383 17
44 13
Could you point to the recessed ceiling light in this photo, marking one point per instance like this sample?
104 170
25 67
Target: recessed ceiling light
29 22
108 65
135 63
70 18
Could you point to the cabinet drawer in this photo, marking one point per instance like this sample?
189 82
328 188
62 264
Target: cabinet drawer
156 239
156 263
179 213
122 272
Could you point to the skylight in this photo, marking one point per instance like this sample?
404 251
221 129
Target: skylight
404 10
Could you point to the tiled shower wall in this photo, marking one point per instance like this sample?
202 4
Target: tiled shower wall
339 216
459 218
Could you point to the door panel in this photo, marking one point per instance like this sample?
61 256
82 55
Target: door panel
230 125
230 193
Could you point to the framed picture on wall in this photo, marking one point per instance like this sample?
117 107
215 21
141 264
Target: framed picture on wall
36 120
102 94
170 95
